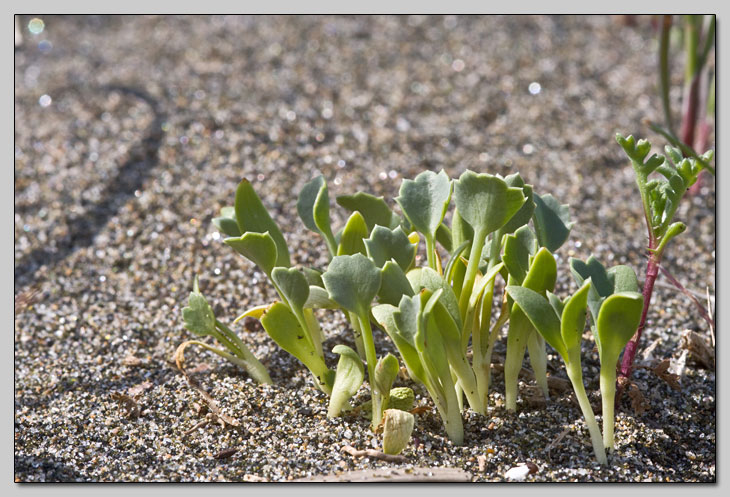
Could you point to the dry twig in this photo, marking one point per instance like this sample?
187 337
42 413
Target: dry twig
373 454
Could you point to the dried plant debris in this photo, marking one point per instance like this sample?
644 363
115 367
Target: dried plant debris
662 370
395 475
130 405
700 350
374 454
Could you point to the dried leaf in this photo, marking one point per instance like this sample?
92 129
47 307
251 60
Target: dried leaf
226 453
130 405
699 349
662 371
138 389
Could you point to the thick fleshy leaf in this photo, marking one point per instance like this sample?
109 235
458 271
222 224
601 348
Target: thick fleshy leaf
373 209
385 244
623 279
226 223
424 201
352 239
601 285
557 304
313 207
386 371
543 272
485 201
397 429
319 298
461 232
455 259
617 322
394 284
313 276
259 248
293 285
573 320
283 327
522 216
443 236
384 315
198 315
406 320
425 277
253 312
349 376
353 282
430 343
541 314
552 222
481 285
252 216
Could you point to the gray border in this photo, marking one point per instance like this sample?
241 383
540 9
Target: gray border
371 6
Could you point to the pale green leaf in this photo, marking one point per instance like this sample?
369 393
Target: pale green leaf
259 248
424 201
552 222
252 216
353 282
349 376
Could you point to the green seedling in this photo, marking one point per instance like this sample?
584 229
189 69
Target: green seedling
199 318
617 320
561 323
313 207
401 398
660 198
348 378
252 217
284 328
539 278
373 209
418 338
424 201
259 239
615 306
485 203
698 97
353 282
385 245
433 314
386 371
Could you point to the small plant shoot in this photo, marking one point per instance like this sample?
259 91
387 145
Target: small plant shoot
439 314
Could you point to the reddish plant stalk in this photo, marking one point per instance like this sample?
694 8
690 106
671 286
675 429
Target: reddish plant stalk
689 112
652 271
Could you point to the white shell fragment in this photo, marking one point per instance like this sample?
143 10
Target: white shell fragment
518 473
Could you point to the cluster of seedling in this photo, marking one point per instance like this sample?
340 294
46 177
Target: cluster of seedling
439 315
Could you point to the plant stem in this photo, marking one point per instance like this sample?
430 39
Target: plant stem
359 346
430 252
538 361
608 394
575 375
517 336
664 69
471 271
652 270
503 317
691 80
375 395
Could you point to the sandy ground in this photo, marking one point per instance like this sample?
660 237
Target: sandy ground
132 132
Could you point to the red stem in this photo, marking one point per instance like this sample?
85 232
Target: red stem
652 271
689 112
